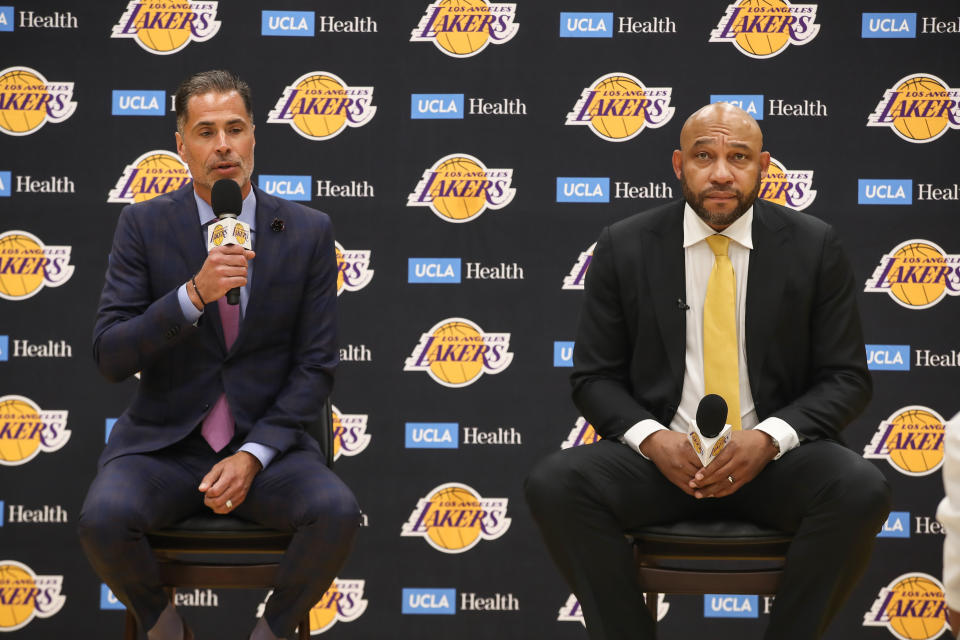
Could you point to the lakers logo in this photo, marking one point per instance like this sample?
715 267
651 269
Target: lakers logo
911 607
319 105
28 101
617 107
27 595
791 188
342 602
464 28
27 265
350 435
26 430
571 611
455 352
453 518
917 274
167 26
764 28
218 235
241 234
582 433
458 188
919 108
911 440
578 274
353 268
152 174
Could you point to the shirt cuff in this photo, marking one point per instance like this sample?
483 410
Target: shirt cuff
636 434
782 432
264 453
190 312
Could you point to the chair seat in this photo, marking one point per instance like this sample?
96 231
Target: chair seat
212 533
711 539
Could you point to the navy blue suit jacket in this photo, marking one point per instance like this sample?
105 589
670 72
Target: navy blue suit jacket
279 371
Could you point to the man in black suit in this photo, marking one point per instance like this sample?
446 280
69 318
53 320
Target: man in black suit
643 360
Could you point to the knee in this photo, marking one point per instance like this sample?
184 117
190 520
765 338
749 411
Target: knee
863 497
549 484
102 525
337 507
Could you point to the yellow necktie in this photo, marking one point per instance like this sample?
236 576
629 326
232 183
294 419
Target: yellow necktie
721 355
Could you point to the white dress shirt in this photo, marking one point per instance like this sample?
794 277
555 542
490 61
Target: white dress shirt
698 262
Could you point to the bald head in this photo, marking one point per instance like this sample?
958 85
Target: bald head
719 162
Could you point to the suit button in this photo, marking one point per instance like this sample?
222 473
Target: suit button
172 332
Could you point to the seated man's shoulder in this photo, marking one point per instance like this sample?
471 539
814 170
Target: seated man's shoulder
651 219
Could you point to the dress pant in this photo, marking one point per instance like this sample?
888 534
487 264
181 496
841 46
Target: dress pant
586 498
132 495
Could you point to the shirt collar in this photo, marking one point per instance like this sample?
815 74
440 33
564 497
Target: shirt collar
696 230
247 211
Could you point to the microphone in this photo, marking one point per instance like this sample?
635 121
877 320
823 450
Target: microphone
227 201
710 433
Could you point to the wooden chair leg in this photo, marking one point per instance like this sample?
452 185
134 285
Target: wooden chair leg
130 630
303 631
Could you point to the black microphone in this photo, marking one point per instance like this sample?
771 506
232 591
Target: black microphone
227 201
709 434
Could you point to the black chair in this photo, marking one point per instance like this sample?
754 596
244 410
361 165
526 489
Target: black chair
215 551
695 557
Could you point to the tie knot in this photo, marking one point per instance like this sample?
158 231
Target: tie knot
719 244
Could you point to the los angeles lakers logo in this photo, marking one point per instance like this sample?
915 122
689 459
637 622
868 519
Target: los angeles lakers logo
911 607
458 188
26 595
319 105
919 108
789 187
917 274
911 440
582 433
578 274
27 265
28 101
571 611
26 430
764 28
464 28
350 435
167 26
455 352
617 107
342 602
453 518
353 268
241 235
152 174
218 235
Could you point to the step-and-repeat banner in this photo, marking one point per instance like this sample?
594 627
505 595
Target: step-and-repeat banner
469 152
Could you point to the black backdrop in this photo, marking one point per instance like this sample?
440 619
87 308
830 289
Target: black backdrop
535 241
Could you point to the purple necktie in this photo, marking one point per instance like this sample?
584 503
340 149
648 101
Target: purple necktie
217 427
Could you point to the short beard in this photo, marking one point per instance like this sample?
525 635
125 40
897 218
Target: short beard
695 200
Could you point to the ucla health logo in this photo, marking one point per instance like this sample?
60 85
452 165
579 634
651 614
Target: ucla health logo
167 26
319 106
454 518
789 187
592 24
342 602
27 265
353 268
884 191
719 605
896 526
911 607
919 108
432 435
459 188
889 25
286 23
764 28
751 103
581 434
464 28
429 602
617 107
27 430
911 440
350 435
27 595
289 187
916 274
455 352
138 103
888 357
436 106
152 174
28 101
583 189
574 280
434 270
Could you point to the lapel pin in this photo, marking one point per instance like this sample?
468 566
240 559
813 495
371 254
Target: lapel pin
277 225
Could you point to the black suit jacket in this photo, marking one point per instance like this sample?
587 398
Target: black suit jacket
278 373
805 353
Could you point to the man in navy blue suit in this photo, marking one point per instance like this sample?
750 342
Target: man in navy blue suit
217 421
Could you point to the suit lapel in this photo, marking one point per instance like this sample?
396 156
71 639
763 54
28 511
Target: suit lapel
765 283
268 247
663 248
